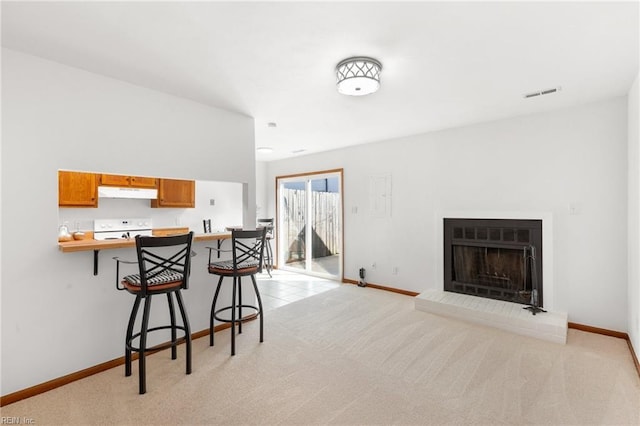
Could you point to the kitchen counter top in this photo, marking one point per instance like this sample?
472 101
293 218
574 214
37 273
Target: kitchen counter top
91 244
96 245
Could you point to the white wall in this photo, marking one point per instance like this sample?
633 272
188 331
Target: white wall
262 198
634 216
539 163
57 318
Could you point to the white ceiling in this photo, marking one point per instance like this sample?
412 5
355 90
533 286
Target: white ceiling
445 64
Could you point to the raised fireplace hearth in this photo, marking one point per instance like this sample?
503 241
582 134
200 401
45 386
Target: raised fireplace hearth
498 259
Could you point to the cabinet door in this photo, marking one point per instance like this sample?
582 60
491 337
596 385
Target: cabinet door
175 193
114 180
143 182
133 181
77 189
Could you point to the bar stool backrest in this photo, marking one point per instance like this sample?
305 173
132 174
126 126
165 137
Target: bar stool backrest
268 224
248 248
164 258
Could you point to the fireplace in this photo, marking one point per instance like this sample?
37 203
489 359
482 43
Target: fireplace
494 258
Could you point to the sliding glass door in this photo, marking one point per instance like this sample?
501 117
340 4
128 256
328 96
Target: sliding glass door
310 223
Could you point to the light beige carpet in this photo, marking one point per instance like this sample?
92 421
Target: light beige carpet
362 356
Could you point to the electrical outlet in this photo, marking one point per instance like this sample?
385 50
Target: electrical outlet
373 265
394 271
212 202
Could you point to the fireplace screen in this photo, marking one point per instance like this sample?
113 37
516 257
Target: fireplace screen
494 258
491 272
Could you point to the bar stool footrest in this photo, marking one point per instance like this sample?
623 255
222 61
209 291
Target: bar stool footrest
243 319
160 346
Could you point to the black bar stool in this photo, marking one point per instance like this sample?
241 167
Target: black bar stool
268 253
247 248
164 264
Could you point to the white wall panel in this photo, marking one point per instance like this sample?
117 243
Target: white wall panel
57 318
542 164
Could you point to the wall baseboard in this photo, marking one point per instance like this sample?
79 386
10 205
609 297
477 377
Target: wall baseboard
60 381
597 330
381 287
634 356
78 375
611 333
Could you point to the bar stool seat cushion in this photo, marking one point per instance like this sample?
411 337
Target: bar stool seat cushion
225 267
164 277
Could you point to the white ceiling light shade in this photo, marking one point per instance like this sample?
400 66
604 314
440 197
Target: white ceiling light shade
264 149
358 76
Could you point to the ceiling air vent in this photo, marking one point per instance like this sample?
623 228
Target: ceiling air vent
542 92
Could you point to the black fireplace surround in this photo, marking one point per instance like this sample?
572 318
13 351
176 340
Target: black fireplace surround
494 258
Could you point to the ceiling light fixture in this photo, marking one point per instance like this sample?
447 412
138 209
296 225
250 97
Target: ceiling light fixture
358 76
264 149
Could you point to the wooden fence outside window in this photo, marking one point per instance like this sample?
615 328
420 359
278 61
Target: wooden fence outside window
325 223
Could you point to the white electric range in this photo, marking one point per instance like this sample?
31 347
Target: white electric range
114 229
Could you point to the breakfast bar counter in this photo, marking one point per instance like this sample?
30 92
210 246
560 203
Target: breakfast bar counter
90 244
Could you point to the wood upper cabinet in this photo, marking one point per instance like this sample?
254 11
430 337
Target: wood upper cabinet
175 193
143 182
132 181
77 189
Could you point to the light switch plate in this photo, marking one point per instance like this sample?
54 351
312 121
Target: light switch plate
574 209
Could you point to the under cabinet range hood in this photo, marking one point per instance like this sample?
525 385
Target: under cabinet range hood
124 192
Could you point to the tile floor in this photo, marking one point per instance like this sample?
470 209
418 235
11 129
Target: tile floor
286 287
